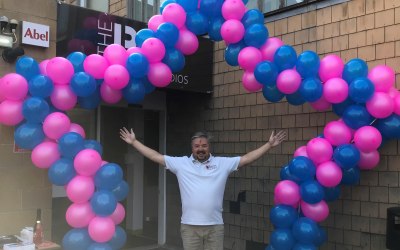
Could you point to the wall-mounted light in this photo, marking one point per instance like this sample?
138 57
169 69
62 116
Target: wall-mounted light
8 29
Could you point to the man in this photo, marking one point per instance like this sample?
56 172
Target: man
202 178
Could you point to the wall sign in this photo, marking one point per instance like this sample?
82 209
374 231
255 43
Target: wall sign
35 34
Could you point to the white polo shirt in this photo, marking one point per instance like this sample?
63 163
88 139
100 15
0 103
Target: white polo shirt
202 186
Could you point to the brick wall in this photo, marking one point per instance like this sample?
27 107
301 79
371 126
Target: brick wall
118 7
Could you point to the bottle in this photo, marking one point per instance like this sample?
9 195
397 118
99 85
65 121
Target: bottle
38 229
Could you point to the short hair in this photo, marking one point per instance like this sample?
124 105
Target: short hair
201 134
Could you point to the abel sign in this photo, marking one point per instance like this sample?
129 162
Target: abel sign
35 34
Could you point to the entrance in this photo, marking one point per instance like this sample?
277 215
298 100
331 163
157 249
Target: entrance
145 205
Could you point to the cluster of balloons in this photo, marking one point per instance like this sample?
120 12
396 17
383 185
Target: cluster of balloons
35 97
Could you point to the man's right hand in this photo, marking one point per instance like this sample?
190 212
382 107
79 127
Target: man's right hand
128 137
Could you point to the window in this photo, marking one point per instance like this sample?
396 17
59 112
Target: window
99 5
274 6
143 10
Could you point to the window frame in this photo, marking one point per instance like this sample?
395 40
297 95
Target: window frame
290 7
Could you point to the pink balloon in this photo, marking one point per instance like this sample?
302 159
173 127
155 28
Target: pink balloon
155 21
154 49
381 105
335 90
288 81
187 42
115 54
329 174
160 75
77 129
101 229
43 67
45 154
393 92
174 13
63 98
319 150
269 48
337 133
11 112
321 104
368 160
14 87
367 139
87 162
383 77
232 31
233 9
79 215
60 70
110 95
116 77
249 57
56 124
2 97
396 104
287 192
301 151
331 66
95 65
118 215
250 83
80 189
317 212
132 50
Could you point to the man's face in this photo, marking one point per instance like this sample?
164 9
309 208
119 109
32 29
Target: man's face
200 149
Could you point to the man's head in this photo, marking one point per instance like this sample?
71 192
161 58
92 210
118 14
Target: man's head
201 146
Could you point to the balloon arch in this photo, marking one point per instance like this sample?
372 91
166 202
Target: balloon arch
35 97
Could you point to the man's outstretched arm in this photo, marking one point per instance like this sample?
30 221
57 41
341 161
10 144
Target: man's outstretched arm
130 138
254 155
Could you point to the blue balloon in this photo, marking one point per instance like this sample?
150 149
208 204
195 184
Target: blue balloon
70 144
99 246
311 89
41 86
214 28
83 84
389 127
285 57
256 35
305 230
211 8
295 99
76 239
301 246
148 87
165 3
103 202
251 17
35 109
361 90
61 172
283 216
356 116
134 92
285 174
232 53
137 65
77 59
282 239
168 33
308 64
142 35
121 191
188 5
339 108
321 237
266 72
311 191
27 67
90 102
332 193
119 238
271 93
353 69
302 167
346 156
93 144
29 135
108 176
351 176
174 59
197 23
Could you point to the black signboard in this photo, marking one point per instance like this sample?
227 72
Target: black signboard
89 31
